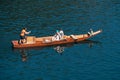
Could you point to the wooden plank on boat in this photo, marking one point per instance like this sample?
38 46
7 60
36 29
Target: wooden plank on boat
30 39
73 37
47 40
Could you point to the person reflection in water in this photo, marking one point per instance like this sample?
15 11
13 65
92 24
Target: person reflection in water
59 49
91 45
23 55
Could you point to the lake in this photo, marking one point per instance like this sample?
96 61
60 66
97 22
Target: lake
95 59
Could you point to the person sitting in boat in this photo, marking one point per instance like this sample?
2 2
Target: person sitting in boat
22 35
56 37
61 34
90 33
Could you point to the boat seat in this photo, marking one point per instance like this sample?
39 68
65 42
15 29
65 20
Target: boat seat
30 39
47 40
73 37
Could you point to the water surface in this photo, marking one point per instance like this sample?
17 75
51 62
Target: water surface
97 59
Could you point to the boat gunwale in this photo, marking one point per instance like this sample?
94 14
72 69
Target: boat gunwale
39 43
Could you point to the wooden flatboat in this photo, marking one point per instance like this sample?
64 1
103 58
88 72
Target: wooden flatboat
32 41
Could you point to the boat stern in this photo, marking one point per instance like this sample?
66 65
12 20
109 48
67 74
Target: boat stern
14 43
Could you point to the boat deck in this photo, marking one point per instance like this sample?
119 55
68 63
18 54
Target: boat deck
33 41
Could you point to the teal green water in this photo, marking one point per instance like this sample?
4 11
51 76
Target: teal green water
95 59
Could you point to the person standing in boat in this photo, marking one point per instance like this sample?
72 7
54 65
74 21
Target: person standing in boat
22 35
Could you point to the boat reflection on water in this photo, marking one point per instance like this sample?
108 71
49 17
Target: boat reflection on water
58 48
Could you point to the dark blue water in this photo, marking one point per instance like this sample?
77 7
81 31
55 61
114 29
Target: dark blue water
97 59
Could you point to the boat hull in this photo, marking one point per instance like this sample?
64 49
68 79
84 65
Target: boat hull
39 42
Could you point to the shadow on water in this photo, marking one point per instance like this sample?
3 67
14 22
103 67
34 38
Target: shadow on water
58 48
